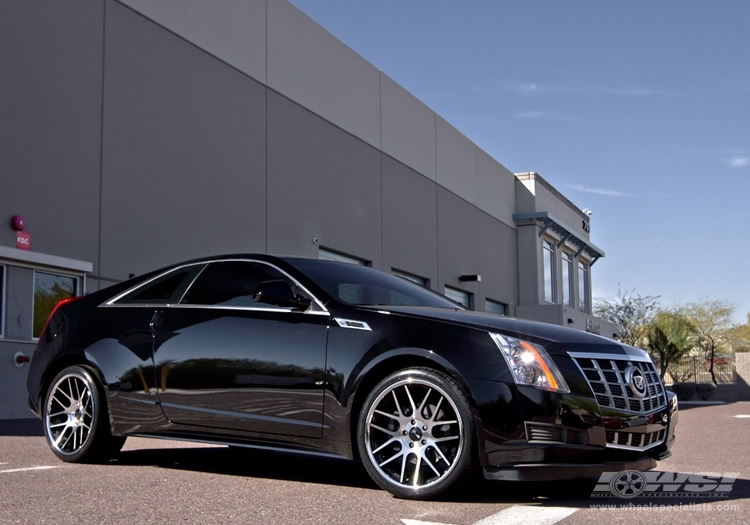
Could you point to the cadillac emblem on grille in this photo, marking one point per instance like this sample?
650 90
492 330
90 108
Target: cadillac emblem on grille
623 383
634 377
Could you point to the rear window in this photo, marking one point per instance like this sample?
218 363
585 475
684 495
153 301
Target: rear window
167 289
358 285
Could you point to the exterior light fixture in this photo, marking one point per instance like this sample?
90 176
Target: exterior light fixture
470 278
17 223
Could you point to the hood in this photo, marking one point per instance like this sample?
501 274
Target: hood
556 339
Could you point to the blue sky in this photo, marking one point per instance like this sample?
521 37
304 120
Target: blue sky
638 110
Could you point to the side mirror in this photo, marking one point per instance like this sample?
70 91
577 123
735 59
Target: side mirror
279 293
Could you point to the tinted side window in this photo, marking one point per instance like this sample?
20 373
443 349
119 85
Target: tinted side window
231 283
167 289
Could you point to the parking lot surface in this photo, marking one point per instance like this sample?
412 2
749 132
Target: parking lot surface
156 481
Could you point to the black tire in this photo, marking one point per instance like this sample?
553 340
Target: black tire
416 435
75 418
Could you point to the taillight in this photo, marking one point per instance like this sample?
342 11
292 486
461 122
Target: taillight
52 313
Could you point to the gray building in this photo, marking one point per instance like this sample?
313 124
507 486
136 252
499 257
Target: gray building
135 134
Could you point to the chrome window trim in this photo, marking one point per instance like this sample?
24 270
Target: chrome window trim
112 303
213 307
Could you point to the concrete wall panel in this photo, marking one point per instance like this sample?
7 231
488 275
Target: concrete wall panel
408 128
456 162
742 365
458 241
323 183
545 313
498 265
529 260
496 188
13 393
409 221
51 81
545 199
232 30
183 152
572 217
312 67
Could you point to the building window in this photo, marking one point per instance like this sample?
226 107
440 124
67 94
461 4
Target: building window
548 261
409 277
567 278
329 255
49 289
495 307
2 300
583 287
458 296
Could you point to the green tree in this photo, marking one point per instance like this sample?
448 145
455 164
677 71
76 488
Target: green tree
739 336
632 314
669 338
45 299
712 320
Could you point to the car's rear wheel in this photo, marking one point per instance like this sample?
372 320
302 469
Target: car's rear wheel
416 434
75 418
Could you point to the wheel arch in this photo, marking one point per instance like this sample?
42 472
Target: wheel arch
386 364
60 364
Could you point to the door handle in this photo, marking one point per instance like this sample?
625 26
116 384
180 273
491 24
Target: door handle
156 321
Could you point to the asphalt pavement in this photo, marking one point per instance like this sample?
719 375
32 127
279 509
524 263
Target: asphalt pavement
157 481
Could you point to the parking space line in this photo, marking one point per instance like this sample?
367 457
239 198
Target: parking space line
25 469
516 515
525 515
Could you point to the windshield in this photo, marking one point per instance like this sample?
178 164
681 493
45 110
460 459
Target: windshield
362 286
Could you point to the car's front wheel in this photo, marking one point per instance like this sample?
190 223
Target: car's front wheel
75 418
416 435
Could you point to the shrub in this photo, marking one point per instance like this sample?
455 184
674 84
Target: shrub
684 391
705 391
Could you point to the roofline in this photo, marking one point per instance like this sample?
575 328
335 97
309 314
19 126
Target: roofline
533 175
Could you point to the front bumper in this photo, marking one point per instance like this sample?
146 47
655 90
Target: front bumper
527 434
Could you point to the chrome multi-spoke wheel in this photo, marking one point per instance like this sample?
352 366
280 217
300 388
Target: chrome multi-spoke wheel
74 424
70 413
416 433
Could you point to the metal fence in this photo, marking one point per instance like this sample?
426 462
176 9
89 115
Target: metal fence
696 370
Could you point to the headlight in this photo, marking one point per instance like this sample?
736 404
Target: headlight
530 364
672 402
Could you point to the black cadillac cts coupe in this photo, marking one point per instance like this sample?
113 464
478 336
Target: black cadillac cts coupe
337 360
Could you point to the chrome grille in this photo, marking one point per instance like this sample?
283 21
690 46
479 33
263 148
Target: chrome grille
635 439
606 377
544 433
